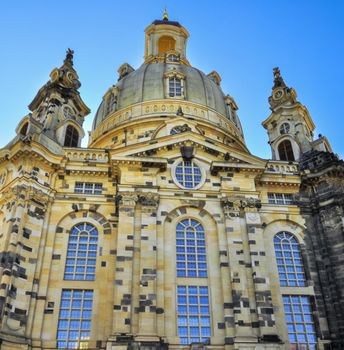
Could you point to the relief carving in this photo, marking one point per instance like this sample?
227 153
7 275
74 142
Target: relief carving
127 199
149 199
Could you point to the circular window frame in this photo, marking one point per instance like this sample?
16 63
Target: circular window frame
284 126
174 177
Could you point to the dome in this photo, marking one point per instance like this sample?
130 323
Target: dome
164 84
147 84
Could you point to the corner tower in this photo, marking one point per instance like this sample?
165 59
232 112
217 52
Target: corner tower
57 111
290 127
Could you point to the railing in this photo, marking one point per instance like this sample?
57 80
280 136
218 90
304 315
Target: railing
86 154
276 166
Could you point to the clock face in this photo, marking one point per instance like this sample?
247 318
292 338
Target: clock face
278 94
3 175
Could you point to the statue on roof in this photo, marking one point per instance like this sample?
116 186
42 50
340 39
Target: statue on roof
69 56
278 80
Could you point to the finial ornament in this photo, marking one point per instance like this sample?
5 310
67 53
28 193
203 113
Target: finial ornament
165 15
69 56
278 80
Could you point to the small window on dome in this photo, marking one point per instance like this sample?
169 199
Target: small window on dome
284 128
175 87
174 84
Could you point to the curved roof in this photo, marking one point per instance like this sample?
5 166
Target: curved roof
147 84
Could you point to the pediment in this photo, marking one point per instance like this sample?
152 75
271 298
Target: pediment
218 155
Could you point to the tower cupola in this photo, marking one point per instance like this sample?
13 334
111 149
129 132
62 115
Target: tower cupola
290 127
166 41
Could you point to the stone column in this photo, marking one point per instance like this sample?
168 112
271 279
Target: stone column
24 238
262 313
238 314
148 268
226 273
124 263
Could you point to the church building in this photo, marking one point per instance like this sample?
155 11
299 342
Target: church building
166 232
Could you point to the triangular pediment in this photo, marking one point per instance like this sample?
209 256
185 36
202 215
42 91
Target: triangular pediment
211 151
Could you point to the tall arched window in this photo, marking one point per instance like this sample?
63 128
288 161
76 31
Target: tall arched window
166 43
81 253
71 137
289 261
285 151
24 128
191 251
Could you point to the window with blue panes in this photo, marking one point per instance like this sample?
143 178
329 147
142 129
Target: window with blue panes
193 314
74 324
190 249
289 260
188 174
300 323
175 87
81 253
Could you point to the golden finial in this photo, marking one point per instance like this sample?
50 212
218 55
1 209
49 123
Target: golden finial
165 15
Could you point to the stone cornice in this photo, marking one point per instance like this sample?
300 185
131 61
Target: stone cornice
164 108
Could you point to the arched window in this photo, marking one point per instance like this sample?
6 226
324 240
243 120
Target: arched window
191 250
24 128
81 253
72 137
289 261
166 43
285 151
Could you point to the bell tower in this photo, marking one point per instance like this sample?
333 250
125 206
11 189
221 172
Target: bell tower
290 127
57 111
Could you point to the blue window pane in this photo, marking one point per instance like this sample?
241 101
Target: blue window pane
87 304
192 290
182 309
204 310
181 299
205 331
182 320
182 331
193 310
194 331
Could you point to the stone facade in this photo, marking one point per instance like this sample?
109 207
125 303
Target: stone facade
126 186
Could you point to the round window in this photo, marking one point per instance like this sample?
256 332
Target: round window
188 174
284 128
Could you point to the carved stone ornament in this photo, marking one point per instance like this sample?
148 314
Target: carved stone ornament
127 199
18 193
237 203
3 176
181 128
149 199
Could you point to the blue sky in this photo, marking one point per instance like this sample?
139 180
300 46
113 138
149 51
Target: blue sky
242 40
